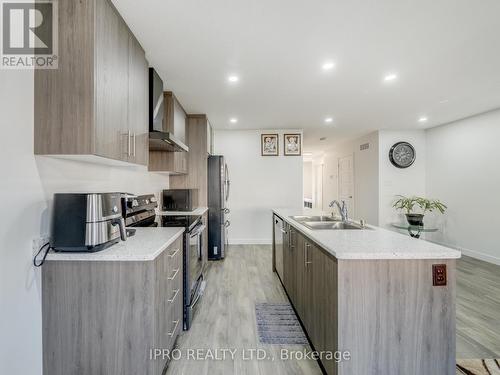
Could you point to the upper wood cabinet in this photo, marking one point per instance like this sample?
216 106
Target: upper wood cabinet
95 103
175 122
138 118
197 175
210 139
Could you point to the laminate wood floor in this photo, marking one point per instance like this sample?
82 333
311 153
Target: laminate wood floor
478 309
226 317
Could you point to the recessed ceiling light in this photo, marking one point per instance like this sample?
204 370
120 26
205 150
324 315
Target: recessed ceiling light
322 139
233 78
423 119
329 65
390 77
233 120
444 101
328 120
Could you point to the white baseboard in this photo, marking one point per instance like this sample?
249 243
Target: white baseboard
472 253
481 256
250 241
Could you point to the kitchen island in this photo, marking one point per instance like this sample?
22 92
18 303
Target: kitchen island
106 312
384 299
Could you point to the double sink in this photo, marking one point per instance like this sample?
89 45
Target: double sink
325 222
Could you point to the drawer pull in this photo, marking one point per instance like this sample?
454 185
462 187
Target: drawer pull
306 255
175 327
174 253
176 271
171 300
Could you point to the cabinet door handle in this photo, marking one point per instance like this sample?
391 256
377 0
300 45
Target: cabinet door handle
306 254
134 145
171 300
128 143
175 327
176 271
174 253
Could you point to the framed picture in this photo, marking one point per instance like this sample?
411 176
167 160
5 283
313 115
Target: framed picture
293 144
269 144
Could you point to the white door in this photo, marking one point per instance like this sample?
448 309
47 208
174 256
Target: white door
318 186
346 182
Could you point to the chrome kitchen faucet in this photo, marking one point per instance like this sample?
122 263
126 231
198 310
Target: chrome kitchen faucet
342 209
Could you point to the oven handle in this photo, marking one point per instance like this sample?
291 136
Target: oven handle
197 230
198 294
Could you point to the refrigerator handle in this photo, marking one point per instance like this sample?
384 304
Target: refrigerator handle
227 181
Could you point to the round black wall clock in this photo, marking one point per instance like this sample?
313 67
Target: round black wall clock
402 155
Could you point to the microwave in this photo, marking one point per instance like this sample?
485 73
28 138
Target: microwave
180 199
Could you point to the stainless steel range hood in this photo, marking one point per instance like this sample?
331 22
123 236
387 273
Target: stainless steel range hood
161 135
165 141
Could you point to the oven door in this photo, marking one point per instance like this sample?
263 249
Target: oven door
195 260
194 284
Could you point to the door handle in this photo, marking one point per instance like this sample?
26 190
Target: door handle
127 134
134 145
171 300
175 327
176 271
174 253
129 141
306 255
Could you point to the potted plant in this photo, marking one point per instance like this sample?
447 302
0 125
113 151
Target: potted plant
419 204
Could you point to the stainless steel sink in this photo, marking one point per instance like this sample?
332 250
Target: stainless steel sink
302 219
335 225
325 222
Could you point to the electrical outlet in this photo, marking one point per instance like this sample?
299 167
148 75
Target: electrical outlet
37 243
439 277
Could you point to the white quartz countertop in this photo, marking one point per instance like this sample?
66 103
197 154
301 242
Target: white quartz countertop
198 212
145 245
372 243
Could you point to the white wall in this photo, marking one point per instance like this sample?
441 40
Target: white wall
395 181
463 170
26 187
308 179
366 185
258 183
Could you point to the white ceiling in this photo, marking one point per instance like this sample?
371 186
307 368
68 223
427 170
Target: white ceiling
446 54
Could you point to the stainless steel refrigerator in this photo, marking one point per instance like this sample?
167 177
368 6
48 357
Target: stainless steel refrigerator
218 211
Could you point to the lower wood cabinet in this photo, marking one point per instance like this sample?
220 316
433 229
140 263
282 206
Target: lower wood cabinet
324 320
288 262
107 317
385 314
310 280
